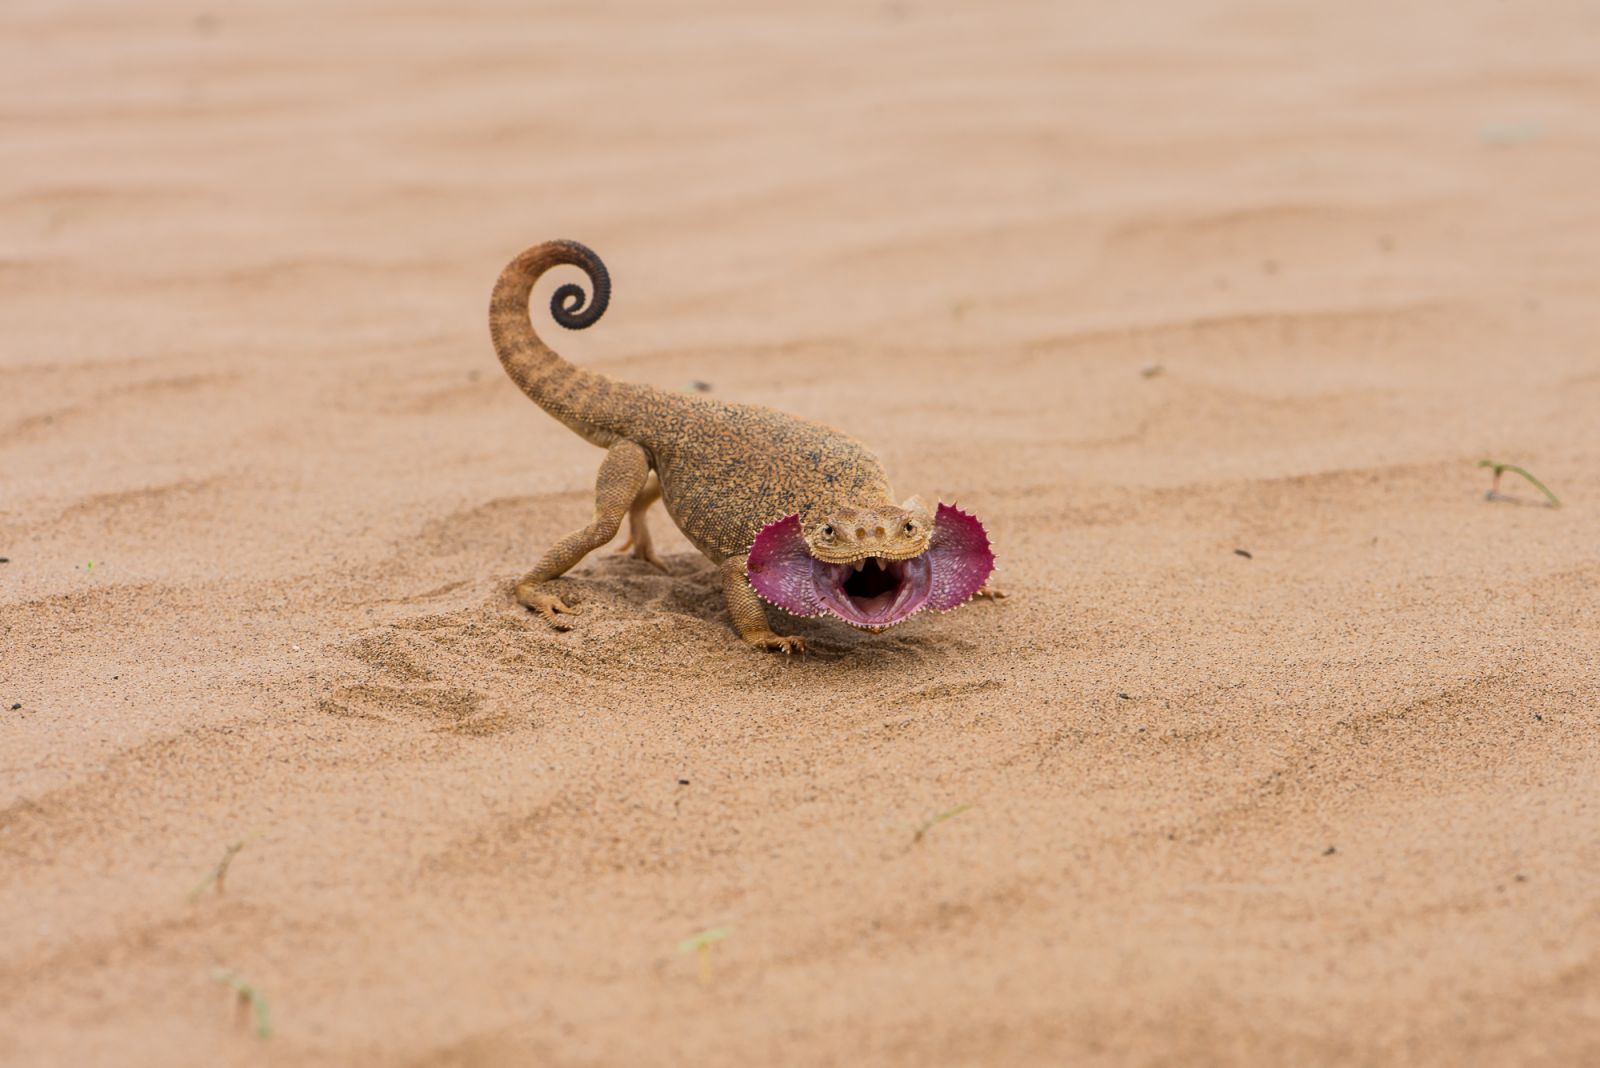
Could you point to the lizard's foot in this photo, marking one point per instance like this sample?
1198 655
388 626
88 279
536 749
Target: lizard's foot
787 643
548 605
990 594
642 550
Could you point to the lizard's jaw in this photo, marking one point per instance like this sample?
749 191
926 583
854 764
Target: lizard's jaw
874 592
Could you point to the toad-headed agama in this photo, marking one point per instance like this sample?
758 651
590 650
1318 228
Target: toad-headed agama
790 511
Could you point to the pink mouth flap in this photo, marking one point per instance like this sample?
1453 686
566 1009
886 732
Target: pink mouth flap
779 567
958 562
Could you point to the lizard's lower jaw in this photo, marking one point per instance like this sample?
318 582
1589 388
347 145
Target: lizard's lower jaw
874 592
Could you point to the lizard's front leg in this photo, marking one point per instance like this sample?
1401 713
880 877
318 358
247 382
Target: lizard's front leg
749 615
622 476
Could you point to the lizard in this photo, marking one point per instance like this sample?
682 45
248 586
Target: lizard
791 512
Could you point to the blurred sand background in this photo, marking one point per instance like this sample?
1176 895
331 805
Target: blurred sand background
1139 284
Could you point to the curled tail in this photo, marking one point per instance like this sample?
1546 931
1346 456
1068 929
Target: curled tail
554 384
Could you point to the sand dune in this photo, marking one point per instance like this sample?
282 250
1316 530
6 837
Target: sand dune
1142 287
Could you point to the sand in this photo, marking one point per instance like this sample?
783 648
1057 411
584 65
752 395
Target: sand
1141 285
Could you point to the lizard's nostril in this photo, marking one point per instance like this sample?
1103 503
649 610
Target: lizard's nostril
880 532
861 533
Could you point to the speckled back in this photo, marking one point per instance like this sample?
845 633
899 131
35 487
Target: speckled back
727 470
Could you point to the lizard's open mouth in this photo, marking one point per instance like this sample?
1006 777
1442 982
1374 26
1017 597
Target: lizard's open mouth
873 592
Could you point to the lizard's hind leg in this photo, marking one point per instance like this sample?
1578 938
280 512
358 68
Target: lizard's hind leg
639 526
622 478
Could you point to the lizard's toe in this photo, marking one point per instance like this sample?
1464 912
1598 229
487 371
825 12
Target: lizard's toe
642 549
649 557
784 643
548 605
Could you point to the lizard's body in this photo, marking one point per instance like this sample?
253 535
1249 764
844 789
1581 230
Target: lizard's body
725 471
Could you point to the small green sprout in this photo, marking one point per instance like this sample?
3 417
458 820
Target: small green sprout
1500 469
219 875
700 945
249 999
935 821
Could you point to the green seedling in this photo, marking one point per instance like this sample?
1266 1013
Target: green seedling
1500 469
700 945
249 999
935 821
219 875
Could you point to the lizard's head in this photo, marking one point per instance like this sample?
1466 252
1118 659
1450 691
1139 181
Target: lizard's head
856 535
871 567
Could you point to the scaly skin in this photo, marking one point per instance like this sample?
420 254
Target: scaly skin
722 470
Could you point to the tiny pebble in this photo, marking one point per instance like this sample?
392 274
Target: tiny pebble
1244 553
697 386
1330 851
5 559
1124 696
16 706
1151 370
683 782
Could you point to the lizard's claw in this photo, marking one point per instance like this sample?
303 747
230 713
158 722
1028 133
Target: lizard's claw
548 605
787 643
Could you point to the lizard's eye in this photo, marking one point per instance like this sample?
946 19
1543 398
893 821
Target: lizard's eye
911 528
827 530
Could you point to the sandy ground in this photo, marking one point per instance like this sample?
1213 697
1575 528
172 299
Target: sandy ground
1142 285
